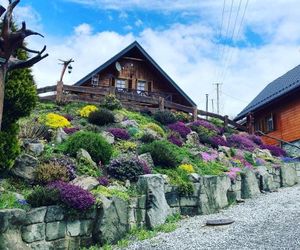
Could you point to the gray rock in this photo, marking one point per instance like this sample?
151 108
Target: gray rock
172 196
192 139
12 240
55 230
35 215
36 148
188 201
112 222
109 137
266 182
148 159
158 208
213 193
86 182
11 219
250 186
34 232
129 123
288 175
79 227
151 133
83 155
61 135
25 166
54 213
193 177
118 117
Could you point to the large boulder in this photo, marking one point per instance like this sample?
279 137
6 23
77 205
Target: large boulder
36 148
250 186
25 166
148 159
157 207
109 137
112 222
263 154
192 139
266 182
61 135
288 175
83 155
213 193
86 182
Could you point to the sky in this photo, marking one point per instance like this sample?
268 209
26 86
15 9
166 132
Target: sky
242 44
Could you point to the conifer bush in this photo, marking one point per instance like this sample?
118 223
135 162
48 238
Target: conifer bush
101 117
165 117
99 149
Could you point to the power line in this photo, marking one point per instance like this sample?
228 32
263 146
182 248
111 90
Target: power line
233 97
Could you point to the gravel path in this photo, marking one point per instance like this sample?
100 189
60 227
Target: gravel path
270 221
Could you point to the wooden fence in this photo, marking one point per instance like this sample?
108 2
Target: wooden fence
133 99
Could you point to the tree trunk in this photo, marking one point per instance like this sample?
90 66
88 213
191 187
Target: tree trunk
2 86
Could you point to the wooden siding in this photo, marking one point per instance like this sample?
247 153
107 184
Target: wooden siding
287 119
134 70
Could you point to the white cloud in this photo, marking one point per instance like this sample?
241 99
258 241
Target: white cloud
138 23
83 29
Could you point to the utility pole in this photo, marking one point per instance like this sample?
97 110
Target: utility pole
218 96
212 106
206 105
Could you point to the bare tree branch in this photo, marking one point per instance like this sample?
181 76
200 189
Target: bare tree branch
8 17
2 10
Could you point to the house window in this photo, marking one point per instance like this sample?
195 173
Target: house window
120 84
265 124
141 86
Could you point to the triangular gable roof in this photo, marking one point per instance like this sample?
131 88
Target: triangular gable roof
274 90
135 44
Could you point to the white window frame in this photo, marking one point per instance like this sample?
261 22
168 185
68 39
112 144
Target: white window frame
120 83
141 86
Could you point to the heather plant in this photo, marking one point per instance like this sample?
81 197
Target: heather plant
156 128
175 139
86 110
94 144
217 141
111 102
241 142
66 162
53 120
51 172
165 117
103 181
101 117
119 133
275 151
73 196
180 128
162 152
70 131
43 196
256 139
125 168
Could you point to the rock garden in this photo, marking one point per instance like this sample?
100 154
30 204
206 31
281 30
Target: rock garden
90 174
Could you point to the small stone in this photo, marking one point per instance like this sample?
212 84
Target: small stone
86 182
54 213
118 117
37 148
61 135
25 166
109 137
84 155
129 123
219 222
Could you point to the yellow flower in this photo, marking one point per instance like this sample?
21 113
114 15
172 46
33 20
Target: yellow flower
86 110
187 168
56 121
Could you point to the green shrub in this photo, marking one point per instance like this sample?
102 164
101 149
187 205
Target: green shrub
95 144
138 117
109 192
9 147
43 196
101 117
147 137
156 128
126 168
182 116
51 172
162 152
9 200
165 117
84 167
111 102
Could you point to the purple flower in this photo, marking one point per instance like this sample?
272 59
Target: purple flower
218 140
73 196
209 157
276 151
260 162
175 140
119 133
256 139
241 142
180 128
70 130
104 181
68 117
22 202
207 125
232 174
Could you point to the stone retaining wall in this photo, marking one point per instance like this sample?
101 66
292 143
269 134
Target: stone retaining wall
53 227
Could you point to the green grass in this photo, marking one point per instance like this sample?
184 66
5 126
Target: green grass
111 192
138 117
8 200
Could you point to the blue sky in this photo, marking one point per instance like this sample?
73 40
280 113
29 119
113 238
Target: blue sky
183 36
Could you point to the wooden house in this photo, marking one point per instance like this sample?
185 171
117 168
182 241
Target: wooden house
138 81
276 109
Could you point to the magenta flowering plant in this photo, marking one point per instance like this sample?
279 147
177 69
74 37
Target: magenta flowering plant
180 128
103 181
209 156
233 172
217 140
206 124
241 142
255 138
175 139
73 196
119 133
275 151
70 130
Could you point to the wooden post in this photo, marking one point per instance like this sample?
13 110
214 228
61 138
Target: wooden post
59 92
161 103
250 123
226 122
195 113
112 90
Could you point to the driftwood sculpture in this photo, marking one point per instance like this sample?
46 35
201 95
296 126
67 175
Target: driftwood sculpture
10 42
